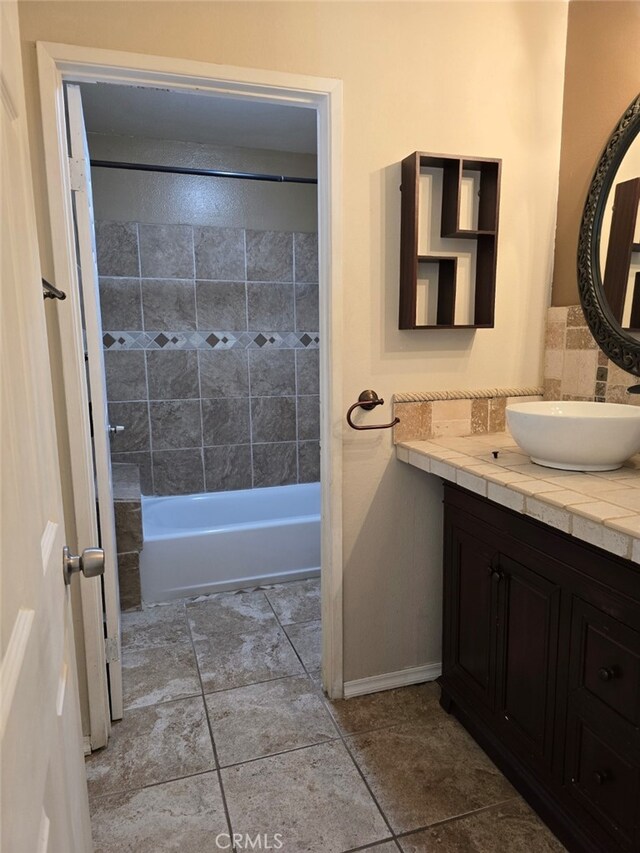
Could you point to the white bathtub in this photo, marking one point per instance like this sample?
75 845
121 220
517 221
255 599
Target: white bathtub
198 544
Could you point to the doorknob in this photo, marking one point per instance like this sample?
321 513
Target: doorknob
114 430
90 563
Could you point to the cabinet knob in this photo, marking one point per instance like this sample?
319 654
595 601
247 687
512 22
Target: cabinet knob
496 576
607 673
601 776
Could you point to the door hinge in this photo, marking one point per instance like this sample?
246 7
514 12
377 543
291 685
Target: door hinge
77 173
112 649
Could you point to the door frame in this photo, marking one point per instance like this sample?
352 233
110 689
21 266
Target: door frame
101 496
59 63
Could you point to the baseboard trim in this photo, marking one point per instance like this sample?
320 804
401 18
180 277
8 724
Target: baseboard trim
389 680
86 745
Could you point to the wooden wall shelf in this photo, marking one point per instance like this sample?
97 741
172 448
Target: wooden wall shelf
621 245
485 236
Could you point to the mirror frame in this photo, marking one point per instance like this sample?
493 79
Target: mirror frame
620 347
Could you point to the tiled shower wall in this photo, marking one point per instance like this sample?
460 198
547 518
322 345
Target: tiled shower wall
211 354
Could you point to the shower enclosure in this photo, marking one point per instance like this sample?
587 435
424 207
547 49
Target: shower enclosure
211 344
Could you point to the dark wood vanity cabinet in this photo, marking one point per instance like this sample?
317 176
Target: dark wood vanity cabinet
541 663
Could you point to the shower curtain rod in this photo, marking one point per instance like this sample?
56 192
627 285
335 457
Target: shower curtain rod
206 173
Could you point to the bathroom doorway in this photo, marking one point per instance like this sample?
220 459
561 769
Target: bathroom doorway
206 232
286 357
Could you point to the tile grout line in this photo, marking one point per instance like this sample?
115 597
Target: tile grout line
191 696
295 360
335 725
133 789
284 631
277 754
146 361
409 832
197 327
359 770
249 403
255 683
333 722
373 846
131 708
213 743
285 625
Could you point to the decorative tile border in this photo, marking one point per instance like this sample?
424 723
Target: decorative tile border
206 340
437 414
427 396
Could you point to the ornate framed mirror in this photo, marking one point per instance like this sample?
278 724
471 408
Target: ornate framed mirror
609 246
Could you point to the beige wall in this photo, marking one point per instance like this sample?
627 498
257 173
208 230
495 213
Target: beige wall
602 77
165 198
481 79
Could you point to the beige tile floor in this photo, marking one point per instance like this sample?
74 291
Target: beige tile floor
226 731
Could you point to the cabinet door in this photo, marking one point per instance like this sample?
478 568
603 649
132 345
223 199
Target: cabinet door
470 610
602 758
528 621
603 776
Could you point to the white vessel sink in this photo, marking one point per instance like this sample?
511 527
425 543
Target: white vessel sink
576 436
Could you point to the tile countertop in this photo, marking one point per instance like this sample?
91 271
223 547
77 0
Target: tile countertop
601 508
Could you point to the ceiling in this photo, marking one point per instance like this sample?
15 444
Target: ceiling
158 114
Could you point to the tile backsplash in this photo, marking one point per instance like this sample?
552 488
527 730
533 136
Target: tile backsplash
574 366
211 352
440 414
574 369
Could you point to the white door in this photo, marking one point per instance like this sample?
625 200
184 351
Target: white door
80 182
44 796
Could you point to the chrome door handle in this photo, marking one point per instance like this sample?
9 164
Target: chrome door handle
114 430
90 563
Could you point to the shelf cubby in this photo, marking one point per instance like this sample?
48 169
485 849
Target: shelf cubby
446 291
